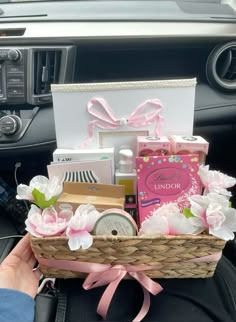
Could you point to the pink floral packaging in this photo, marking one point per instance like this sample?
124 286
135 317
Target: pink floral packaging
164 179
189 145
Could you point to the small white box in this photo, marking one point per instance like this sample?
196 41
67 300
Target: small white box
71 155
96 171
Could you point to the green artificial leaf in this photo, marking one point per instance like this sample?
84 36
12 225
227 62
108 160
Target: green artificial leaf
40 201
187 212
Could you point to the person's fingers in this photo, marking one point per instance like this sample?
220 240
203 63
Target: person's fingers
23 249
32 261
37 273
23 252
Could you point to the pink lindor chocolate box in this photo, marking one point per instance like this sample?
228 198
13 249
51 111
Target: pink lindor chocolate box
165 179
151 145
189 145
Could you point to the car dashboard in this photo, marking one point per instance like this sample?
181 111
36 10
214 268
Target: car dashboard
43 43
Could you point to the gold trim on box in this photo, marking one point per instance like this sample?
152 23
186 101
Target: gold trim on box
87 87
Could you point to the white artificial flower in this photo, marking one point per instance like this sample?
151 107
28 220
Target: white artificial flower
80 226
167 220
215 181
50 188
80 239
212 212
40 185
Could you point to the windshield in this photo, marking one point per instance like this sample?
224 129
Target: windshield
120 10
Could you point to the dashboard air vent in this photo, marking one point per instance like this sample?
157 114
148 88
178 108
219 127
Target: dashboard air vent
221 67
46 70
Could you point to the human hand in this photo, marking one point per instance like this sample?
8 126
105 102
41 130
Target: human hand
16 271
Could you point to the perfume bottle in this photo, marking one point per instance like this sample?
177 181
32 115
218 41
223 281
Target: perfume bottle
126 160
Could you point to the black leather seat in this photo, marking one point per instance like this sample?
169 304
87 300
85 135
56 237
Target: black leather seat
182 300
6 229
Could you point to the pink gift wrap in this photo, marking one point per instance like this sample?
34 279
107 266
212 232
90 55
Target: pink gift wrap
164 179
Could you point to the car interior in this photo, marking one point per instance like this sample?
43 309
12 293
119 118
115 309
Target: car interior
75 42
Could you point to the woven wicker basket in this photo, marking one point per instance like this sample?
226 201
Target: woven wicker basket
172 254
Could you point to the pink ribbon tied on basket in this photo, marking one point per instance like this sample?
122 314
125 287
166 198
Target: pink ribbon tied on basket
106 118
112 277
103 274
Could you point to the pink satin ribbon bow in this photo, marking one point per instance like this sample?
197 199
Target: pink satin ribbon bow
103 274
106 119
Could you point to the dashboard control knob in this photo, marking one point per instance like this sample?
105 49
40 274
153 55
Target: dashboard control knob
10 124
14 54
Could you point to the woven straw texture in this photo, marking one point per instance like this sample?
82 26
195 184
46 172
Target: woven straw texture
170 253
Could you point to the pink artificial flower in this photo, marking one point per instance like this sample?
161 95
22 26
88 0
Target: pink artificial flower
166 209
212 212
48 222
215 181
80 226
167 220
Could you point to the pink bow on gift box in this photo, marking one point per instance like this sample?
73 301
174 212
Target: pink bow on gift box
108 120
103 274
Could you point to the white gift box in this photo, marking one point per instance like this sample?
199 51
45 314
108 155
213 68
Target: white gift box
68 155
102 115
97 171
71 155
